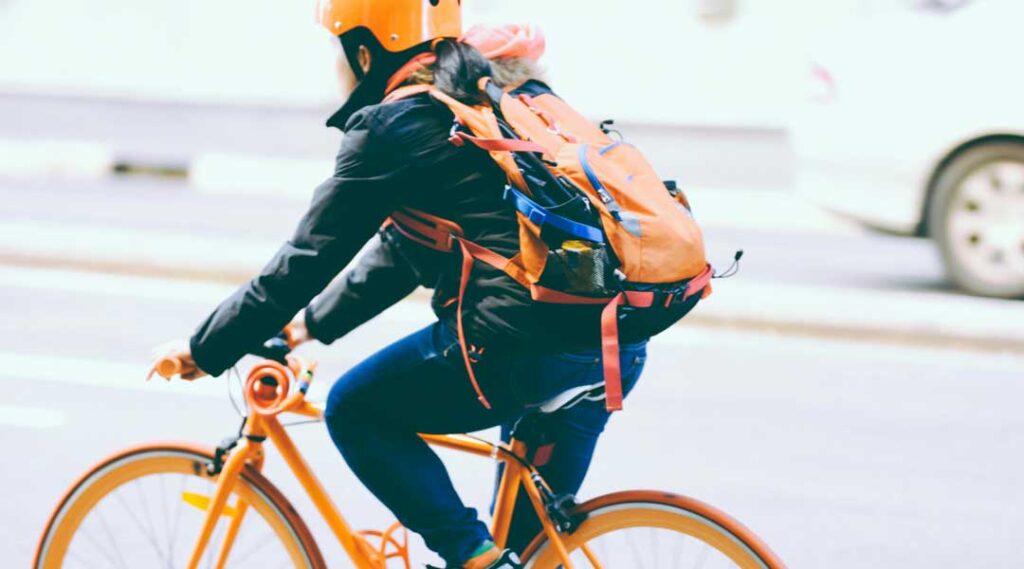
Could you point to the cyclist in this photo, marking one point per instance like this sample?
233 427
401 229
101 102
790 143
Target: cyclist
397 154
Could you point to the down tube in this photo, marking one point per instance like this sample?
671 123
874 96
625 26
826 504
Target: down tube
354 546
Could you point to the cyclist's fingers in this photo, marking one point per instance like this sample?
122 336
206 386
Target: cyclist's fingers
192 373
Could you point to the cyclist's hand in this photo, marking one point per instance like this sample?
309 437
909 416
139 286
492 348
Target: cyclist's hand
297 332
179 351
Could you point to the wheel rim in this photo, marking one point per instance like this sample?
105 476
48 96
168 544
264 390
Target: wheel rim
131 513
650 536
986 223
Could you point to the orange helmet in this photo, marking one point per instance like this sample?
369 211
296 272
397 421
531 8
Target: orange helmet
397 25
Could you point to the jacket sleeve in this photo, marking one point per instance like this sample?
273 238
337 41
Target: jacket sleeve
380 278
346 211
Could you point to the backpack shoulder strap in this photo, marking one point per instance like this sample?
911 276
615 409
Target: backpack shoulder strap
483 123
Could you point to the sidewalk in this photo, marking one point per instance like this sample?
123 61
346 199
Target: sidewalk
916 318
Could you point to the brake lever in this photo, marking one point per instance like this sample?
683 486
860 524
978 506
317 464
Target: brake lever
275 349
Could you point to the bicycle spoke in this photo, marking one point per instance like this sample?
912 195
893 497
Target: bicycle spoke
149 521
96 547
167 520
81 559
138 524
651 547
110 537
100 536
177 516
246 554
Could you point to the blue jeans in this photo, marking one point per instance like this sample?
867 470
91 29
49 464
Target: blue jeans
419 385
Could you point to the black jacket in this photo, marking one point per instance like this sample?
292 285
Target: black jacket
394 155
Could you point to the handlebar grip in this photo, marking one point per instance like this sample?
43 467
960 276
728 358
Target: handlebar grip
168 367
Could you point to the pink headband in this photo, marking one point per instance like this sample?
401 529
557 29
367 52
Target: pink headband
495 42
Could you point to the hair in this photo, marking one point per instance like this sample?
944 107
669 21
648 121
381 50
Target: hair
460 66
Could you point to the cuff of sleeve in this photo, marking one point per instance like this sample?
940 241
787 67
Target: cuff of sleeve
313 327
199 356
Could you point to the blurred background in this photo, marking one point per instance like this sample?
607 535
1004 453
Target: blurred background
852 395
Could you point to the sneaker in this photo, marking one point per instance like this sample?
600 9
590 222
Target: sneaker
508 560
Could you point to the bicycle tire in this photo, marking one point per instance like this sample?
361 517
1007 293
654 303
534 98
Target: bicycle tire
654 511
135 463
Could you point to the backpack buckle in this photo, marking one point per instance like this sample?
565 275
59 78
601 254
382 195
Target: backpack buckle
537 217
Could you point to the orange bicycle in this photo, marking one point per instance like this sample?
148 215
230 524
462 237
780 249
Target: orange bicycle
172 505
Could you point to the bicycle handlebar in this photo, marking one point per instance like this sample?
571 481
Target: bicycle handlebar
168 367
276 349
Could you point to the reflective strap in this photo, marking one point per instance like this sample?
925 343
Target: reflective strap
699 283
504 264
498 144
467 268
425 229
472 252
541 216
610 344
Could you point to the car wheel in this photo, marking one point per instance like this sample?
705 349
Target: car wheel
977 217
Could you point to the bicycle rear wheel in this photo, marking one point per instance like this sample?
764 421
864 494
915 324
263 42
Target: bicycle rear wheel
632 530
144 507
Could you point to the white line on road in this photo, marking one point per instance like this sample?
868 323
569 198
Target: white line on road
31 417
62 159
94 243
98 373
119 375
113 285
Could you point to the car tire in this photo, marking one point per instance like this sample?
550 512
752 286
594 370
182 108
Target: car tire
972 262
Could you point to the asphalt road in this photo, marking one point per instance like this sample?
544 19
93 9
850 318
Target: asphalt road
840 455
844 259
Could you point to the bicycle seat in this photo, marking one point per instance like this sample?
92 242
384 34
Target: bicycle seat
572 397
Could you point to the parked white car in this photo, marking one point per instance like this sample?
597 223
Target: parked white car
916 126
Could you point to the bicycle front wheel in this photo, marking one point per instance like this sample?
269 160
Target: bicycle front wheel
144 507
654 530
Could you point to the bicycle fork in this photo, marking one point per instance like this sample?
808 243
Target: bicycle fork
217 505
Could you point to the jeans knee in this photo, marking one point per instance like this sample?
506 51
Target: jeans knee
342 416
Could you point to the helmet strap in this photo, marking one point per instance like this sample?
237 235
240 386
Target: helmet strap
372 84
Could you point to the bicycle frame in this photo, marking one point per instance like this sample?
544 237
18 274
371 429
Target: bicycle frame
267 400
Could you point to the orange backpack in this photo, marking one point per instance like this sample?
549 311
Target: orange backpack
596 224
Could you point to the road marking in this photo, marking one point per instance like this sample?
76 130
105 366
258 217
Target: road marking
31 417
61 159
129 376
126 248
113 285
99 373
